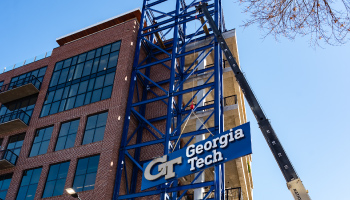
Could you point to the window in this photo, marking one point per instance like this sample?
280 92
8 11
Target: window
56 179
81 80
1 83
5 181
15 144
25 104
95 128
41 141
24 78
85 174
66 137
29 184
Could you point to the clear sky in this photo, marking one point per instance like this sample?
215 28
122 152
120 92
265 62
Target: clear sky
303 90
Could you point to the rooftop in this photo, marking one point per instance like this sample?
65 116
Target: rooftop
136 13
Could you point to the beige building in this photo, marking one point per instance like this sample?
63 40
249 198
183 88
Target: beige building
238 179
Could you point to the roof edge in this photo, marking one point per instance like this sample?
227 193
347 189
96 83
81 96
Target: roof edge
61 40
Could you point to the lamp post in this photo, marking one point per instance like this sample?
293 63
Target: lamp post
72 193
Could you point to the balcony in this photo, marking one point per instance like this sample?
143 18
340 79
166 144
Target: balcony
230 194
19 89
14 121
8 159
229 103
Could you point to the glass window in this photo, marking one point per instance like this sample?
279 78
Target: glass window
58 65
90 55
56 179
103 63
115 46
1 83
113 60
63 76
95 128
25 104
29 184
85 174
74 61
106 49
66 137
5 181
67 63
81 57
15 145
92 74
87 68
26 78
41 141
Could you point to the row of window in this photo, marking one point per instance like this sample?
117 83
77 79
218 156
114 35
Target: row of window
79 94
39 74
85 64
94 132
82 79
84 179
25 104
86 168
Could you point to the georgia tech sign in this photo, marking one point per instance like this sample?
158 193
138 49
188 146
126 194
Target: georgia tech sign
218 149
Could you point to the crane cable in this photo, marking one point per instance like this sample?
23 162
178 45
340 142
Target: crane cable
192 108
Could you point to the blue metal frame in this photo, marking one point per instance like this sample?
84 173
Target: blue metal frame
178 36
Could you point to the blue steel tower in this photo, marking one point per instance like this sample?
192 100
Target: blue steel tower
172 42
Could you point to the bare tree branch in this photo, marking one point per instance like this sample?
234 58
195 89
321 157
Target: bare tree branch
322 20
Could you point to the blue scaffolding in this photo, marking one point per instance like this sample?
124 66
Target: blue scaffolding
167 37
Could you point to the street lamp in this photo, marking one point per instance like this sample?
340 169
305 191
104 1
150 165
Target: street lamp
72 193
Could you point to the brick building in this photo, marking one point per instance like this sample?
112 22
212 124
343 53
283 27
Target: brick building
61 116
62 119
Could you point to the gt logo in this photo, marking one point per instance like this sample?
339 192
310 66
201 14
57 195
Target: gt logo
165 168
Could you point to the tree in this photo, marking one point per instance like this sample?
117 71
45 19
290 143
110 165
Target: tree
323 20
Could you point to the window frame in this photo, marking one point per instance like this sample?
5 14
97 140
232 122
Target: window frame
68 134
15 145
41 141
56 179
95 127
74 186
4 177
29 182
30 73
87 66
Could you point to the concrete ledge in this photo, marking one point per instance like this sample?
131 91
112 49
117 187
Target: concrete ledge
12 125
18 92
5 164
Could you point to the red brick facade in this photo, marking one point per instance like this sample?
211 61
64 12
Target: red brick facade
116 105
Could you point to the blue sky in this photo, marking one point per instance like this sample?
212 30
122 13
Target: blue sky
303 90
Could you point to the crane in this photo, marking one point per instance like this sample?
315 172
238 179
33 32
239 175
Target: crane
294 183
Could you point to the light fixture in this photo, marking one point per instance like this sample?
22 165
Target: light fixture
72 193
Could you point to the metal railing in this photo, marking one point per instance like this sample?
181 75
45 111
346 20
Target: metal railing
187 197
27 61
8 155
18 114
229 100
224 65
230 194
31 79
